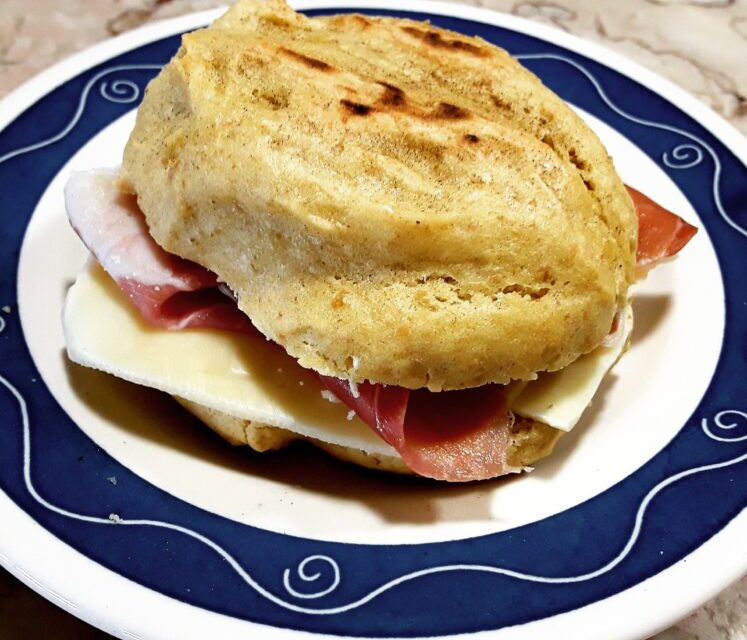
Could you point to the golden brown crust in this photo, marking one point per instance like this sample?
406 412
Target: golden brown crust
529 441
410 207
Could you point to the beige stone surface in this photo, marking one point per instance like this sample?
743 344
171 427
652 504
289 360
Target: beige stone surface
701 45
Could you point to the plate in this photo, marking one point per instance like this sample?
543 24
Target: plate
118 508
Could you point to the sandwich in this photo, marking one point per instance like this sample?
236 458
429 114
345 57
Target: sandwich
382 237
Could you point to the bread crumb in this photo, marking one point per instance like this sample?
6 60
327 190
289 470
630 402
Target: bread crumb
6 308
112 480
351 414
354 389
115 518
329 396
300 383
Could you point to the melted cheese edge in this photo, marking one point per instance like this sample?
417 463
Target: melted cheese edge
560 398
253 379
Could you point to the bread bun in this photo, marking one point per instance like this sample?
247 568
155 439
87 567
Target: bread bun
389 201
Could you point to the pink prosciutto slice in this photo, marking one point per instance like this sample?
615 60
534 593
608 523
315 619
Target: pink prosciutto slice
452 435
168 291
661 233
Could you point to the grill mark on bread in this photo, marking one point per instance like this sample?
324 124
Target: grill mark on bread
500 103
548 141
393 99
437 41
356 108
392 96
448 111
361 20
579 163
308 61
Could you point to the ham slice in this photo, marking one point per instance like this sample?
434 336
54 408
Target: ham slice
661 233
452 435
168 291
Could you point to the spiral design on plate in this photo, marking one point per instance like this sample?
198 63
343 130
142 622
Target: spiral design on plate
312 577
120 91
726 421
683 156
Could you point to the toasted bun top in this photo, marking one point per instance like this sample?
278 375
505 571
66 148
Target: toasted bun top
389 201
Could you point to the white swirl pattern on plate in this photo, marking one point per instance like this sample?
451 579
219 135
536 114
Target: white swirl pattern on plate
683 156
116 520
679 157
120 91
718 419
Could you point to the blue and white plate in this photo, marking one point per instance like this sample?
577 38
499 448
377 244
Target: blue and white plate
121 509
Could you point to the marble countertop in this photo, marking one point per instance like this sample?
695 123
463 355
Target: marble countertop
699 44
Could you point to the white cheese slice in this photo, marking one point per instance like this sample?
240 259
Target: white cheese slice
559 398
253 379
245 377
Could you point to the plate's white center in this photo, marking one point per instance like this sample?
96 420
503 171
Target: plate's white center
679 322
